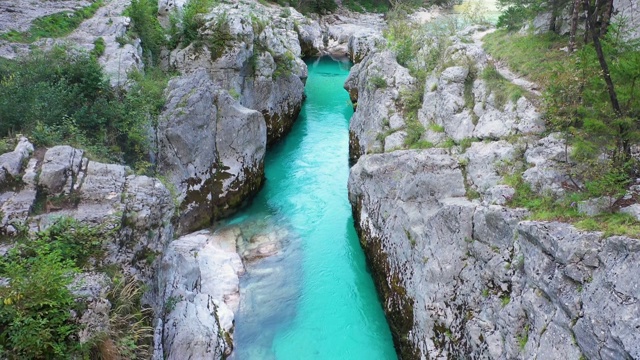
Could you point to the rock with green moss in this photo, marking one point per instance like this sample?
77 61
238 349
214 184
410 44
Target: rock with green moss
211 149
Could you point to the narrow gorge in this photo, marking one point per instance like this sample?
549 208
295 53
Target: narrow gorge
200 179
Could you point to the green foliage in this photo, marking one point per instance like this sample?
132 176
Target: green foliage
517 12
377 82
473 12
285 65
34 314
315 6
192 19
505 300
219 37
577 103
611 224
62 96
98 47
502 89
513 18
130 333
523 337
145 25
364 6
436 128
36 304
54 25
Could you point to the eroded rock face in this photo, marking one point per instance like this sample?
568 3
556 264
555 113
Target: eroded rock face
256 57
461 102
108 23
200 290
105 195
211 148
461 279
378 108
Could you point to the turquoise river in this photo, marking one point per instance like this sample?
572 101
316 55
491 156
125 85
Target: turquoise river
315 299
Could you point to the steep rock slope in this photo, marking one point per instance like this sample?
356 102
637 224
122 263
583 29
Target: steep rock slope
471 278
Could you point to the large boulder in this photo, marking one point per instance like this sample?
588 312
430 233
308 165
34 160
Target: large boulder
460 279
375 86
211 149
256 58
200 291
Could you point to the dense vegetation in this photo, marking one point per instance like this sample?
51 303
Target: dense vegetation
37 305
62 96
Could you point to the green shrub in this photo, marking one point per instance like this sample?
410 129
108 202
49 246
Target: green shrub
145 25
35 306
284 65
54 25
98 47
513 18
378 82
363 6
63 96
35 309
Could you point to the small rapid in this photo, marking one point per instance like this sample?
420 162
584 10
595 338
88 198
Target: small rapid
313 299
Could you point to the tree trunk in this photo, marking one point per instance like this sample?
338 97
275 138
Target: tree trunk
554 15
603 62
606 17
574 25
623 143
585 8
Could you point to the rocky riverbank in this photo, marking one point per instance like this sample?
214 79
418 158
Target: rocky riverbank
460 273
236 91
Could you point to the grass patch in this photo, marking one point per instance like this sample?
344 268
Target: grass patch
436 128
54 25
548 208
523 338
502 89
537 57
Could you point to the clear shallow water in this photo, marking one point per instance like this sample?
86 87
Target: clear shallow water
315 300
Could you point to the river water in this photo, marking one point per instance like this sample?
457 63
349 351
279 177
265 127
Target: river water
315 299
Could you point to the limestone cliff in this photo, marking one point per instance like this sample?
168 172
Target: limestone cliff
460 274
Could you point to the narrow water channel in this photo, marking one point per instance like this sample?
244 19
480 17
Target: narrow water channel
315 298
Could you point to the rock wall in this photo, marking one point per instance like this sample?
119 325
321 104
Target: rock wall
463 278
211 148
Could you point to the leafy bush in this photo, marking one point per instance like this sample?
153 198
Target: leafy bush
373 6
378 82
35 309
36 304
315 6
54 25
145 25
284 65
513 18
98 47
63 96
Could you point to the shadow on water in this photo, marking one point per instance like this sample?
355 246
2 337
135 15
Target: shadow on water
314 299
